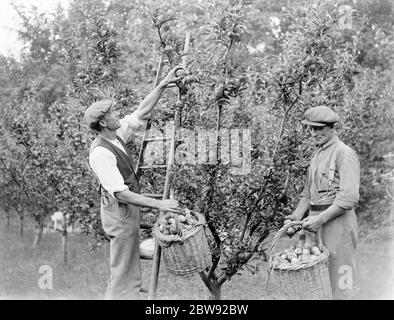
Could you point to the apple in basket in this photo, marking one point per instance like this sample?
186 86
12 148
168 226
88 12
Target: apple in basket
174 223
188 223
290 231
294 261
316 251
173 229
297 227
291 256
302 253
298 251
167 215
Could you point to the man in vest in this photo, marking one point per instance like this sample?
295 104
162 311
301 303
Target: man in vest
330 195
110 159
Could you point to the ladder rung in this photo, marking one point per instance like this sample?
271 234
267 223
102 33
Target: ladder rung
152 195
146 258
155 166
157 139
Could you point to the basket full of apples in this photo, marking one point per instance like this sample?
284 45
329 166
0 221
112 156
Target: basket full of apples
183 242
301 270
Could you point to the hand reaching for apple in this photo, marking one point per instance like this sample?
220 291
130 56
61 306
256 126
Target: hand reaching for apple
176 74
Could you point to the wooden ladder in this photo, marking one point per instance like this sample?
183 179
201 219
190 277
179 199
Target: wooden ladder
152 291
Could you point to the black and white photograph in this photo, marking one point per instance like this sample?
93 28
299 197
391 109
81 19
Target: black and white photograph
213 152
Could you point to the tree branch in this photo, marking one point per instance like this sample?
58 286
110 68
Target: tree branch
280 133
211 273
204 277
213 231
248 216
222 279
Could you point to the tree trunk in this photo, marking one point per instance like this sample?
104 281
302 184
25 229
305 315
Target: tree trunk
64 240
39 228
215 291
214 287
21 218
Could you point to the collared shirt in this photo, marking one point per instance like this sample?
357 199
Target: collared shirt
345 186
103 162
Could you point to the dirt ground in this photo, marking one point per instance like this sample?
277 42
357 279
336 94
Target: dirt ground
376 271
86 275
375 276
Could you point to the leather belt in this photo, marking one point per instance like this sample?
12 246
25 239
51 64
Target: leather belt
318 207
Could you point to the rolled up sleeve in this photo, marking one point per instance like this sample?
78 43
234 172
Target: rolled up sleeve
349 180
103 163
128 125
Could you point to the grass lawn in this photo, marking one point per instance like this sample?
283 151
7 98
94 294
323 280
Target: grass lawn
86 275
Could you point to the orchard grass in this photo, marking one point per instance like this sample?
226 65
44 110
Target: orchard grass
86 274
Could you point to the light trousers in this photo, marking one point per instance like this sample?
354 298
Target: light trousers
340 237
121 222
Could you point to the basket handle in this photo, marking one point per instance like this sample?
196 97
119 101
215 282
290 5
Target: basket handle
283 230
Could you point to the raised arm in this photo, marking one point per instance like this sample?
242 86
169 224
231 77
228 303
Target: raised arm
152 98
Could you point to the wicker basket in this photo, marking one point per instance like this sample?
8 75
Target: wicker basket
305 281
185 255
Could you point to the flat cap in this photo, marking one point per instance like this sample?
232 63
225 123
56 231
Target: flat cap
320 116
97 110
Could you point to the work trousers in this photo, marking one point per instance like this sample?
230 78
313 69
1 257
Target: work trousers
121 222
340 237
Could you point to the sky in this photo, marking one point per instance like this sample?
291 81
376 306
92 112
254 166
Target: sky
9 21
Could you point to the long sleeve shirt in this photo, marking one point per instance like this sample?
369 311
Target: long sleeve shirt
344 189
103 162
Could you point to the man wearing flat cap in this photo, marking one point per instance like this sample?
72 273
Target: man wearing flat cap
329 197
110 159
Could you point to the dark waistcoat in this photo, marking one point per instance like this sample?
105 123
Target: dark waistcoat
123 162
